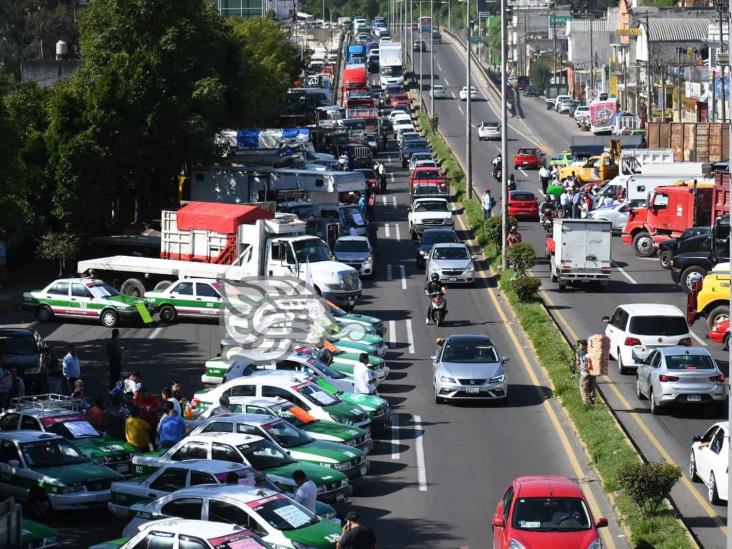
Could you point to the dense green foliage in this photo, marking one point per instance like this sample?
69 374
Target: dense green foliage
648 484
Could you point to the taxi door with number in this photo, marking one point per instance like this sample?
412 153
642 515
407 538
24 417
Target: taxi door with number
80 301
208 299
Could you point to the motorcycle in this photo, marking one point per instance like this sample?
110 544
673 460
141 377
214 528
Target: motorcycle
511 183
438 307
548 222
497 174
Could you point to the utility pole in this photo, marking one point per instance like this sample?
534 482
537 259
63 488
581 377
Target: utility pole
649 96
504 150
721 68
678 84
554 35
421 45
592 60
729 357
625 84
468 128
432 57
411 34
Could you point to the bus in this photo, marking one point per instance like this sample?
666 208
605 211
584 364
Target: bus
424 24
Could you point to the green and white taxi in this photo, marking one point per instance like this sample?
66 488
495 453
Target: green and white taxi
362 346
276 518
344 362
86 298
185 533
57 415
292 386
184 474
255 452
370 323
293 441
34 535
192 297
50 474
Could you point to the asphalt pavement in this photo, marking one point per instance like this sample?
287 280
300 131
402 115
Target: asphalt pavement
439 471
579 312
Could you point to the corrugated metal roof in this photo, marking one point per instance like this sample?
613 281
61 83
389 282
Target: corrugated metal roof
598 25
678 29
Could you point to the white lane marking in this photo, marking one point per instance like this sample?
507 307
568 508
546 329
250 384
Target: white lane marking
395 454
388 159
403 274
391 176
421 467
398 234
383 199
461 110
393 200
438 65
392 326
698 339
386 230
445 79
474 125
155 333
410 336
523 172
388 272
626 275
453 94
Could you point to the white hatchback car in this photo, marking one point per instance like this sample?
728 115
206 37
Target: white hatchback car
438 90
635 330
708 461
464 93
489 130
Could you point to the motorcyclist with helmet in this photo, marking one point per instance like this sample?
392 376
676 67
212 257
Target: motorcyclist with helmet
497 165
434 286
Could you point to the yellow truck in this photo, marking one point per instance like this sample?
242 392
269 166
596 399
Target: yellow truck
597 168
711 300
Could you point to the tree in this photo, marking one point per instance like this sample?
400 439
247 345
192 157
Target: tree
540 75
59 246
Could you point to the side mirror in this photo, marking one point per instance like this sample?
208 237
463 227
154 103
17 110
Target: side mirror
499 523
606 320
697 438
601 522
505 359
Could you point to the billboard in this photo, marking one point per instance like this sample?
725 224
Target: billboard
601 115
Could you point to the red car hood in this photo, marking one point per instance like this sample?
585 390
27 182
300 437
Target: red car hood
555 540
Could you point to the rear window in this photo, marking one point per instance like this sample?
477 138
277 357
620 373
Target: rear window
658 325
689 362
428 174
526 151
522 196
19 344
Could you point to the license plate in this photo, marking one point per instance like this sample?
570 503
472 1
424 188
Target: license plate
451 279
693 398
524 162
472 390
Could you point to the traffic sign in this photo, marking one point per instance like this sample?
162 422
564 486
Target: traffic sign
722 58
476 39
629 32
559 19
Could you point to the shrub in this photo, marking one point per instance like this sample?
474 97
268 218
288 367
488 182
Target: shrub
526 287
521 257
492 228
58 246
648 484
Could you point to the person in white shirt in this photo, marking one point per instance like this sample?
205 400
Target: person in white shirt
167 394
306 490
608 201
488 204
71 367
363 377
133 382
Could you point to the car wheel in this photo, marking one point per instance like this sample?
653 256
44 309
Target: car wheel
44 313
692 467
718 314
643 244
622 370
712 490
688 276
655 408
109 318
40 505
665 257
168 313
638 391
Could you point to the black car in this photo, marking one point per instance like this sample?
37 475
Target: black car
715 249
691 239
436 37
420 45
411 147
25 349
429 238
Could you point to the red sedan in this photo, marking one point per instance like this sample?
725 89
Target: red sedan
547 512
399 99
720 333
528 157
523 204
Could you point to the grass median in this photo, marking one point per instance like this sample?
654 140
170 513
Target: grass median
604 441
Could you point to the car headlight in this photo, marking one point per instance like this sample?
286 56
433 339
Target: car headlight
340 419
447 379
513 544
597 544
469 268
497 379
369 260
337 466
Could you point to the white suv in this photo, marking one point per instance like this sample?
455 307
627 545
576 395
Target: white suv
636 329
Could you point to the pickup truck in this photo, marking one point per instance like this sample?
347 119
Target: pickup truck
425 213
427 175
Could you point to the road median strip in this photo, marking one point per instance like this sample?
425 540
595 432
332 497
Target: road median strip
605 444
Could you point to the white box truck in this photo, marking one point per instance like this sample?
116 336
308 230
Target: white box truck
204 240
579 251
390 64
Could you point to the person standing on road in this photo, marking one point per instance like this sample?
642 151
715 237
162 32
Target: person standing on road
114 356
167 395
137 431
133 382
576 198
54 373
488 204
355 535
587 380
171 428
71 368
381 172
544 178
363 379
564 202
306 490
223 408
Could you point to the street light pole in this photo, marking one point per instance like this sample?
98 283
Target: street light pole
504 148
468 128
432 58
421 45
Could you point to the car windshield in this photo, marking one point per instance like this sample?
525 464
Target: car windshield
658 325
312 250
18 345
391 70
551 514
233 541
101 289
287 435
73 429
262 455
689 362
473 353
450 253
50 453
354 216
427 174
283 514
316 395
522 196
321 367
352 246
438 237
431 206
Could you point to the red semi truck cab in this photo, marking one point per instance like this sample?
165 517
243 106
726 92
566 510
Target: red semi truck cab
671 209
355 77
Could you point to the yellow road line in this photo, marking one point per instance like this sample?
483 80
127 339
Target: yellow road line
607 539
643 427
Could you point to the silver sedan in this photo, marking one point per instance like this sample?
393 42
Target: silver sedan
452 262
616 214
680 375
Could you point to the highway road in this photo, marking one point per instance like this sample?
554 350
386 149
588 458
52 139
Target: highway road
578 312
438 472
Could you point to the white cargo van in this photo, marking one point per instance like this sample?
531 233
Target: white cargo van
582 251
